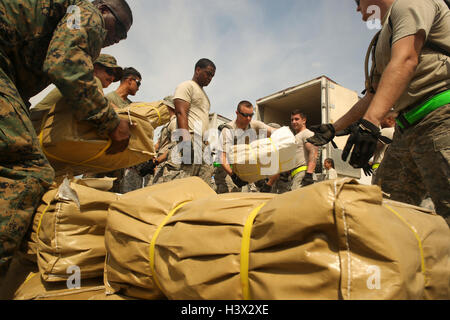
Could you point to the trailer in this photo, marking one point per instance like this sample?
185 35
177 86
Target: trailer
322 100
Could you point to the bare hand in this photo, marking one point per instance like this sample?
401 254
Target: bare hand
120 137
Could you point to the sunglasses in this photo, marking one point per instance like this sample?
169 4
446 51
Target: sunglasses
357 2
138 82
246 115
121 30
110 72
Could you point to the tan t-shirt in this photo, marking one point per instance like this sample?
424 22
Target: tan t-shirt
255 130
200 105
302 154
408 17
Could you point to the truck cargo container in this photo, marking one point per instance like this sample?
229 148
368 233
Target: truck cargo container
322 100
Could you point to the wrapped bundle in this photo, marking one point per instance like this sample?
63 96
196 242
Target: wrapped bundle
156 112
73 147
35 288
264 157
103 184
70 231
333 240
132 223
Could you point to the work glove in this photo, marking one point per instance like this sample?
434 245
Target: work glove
362 143
266 188
307 179
148 168
368 170
238 181
324 134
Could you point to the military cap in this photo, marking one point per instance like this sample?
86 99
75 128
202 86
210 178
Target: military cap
110 62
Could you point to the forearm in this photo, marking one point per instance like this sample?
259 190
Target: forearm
313 152
225 165
355 113
394 82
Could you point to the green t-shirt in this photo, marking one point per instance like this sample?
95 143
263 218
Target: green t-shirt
117 100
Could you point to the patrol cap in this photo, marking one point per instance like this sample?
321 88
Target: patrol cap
110 62
274 125
168 101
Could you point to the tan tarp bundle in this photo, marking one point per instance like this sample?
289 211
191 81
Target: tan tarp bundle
156 112
132 223
333 240
35 288
264 157
70 231
74 147
102 184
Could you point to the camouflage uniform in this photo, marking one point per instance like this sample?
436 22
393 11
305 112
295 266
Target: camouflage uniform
37 48
417 163
165 145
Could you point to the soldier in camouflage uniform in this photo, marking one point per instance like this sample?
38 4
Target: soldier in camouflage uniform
45 41
411 74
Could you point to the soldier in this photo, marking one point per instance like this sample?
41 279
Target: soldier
128 179
410 73
43 42
106 71
306 154
161 164
235 132
192 107
129 86
330 170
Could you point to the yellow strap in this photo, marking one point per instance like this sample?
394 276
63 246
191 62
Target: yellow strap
83 163
298 170
40 219
30 276
151 107
376 166
245 251
153 242
419 241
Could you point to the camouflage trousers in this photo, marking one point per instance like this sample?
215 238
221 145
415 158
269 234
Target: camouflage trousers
25 172
417 163
283 184
296 182
169 172
223 182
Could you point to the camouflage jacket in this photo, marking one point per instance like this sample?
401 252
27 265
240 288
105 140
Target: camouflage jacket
55 41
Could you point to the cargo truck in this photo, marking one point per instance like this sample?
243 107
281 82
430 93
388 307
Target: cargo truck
322 100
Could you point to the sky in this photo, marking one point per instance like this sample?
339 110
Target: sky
259 46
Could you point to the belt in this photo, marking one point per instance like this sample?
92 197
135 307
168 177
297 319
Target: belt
408 119
298 170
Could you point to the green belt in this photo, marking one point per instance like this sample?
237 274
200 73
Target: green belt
298 170
410 118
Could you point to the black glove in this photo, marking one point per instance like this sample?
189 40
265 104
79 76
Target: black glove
266 188
238 181
363 141
368 170
324 133
307 179
148 168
